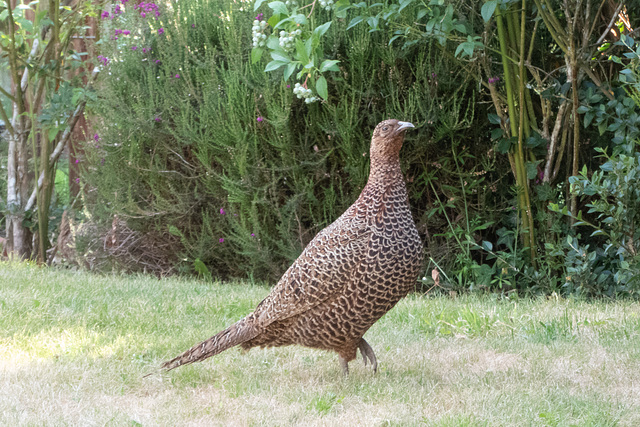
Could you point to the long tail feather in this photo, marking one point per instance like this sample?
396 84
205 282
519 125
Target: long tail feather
234 335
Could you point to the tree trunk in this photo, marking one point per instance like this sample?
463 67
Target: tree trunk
18 243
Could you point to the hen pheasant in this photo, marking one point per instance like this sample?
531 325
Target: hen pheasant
351 274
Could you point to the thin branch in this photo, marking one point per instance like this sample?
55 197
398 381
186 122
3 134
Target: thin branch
55 155
612 22
551 151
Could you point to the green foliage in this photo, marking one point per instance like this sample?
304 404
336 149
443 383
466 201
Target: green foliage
39 106
201 144
610 264
244 144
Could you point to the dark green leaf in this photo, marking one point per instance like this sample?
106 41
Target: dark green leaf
291 67
494 119
355 21
279 8
301 51
256 54
487 246
487 9
278 56
329 65
322 29
321 87
274 65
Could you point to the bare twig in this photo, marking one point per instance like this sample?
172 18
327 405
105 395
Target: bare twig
612 22
55 155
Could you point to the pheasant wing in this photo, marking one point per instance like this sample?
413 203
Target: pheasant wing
326 265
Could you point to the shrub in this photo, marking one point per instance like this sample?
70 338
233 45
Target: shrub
198 143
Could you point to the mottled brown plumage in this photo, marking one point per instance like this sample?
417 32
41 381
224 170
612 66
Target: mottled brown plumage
348 277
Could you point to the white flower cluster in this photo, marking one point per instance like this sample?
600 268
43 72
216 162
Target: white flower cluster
292 3
302 92
259 37
287 39
326 4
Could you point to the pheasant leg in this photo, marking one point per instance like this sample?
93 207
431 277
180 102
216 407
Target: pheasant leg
344 365
367 353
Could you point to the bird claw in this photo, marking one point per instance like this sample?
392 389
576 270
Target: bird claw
368 355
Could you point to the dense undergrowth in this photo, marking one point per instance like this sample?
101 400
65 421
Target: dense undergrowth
204 163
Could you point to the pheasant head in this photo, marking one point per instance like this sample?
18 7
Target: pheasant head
387 140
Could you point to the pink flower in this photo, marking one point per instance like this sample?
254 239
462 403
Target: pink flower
134 47
222 212
253 235
177 76
221 240
104 15
158 119
77 180
160 30
144 15
126 32
77 161
260 118
96 137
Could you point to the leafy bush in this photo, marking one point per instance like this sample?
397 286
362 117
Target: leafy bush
199 145
608 262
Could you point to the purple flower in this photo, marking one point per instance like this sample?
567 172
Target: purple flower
221 240
134 47
77 180
222 212
117 10
177 76
104 15
253 235
288 86
160 30
102 162
260 118
493 80
126 32
77 161
157 61
260 17
146 49
144 15
157 119
434 76
193 25
96 137
103 59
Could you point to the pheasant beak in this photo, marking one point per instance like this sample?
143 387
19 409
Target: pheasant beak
404 125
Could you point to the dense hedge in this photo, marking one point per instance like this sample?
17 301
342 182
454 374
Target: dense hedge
202 162
196 141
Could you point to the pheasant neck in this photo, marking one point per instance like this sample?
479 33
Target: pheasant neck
385 171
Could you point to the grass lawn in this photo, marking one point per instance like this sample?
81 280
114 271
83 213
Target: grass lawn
74 348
